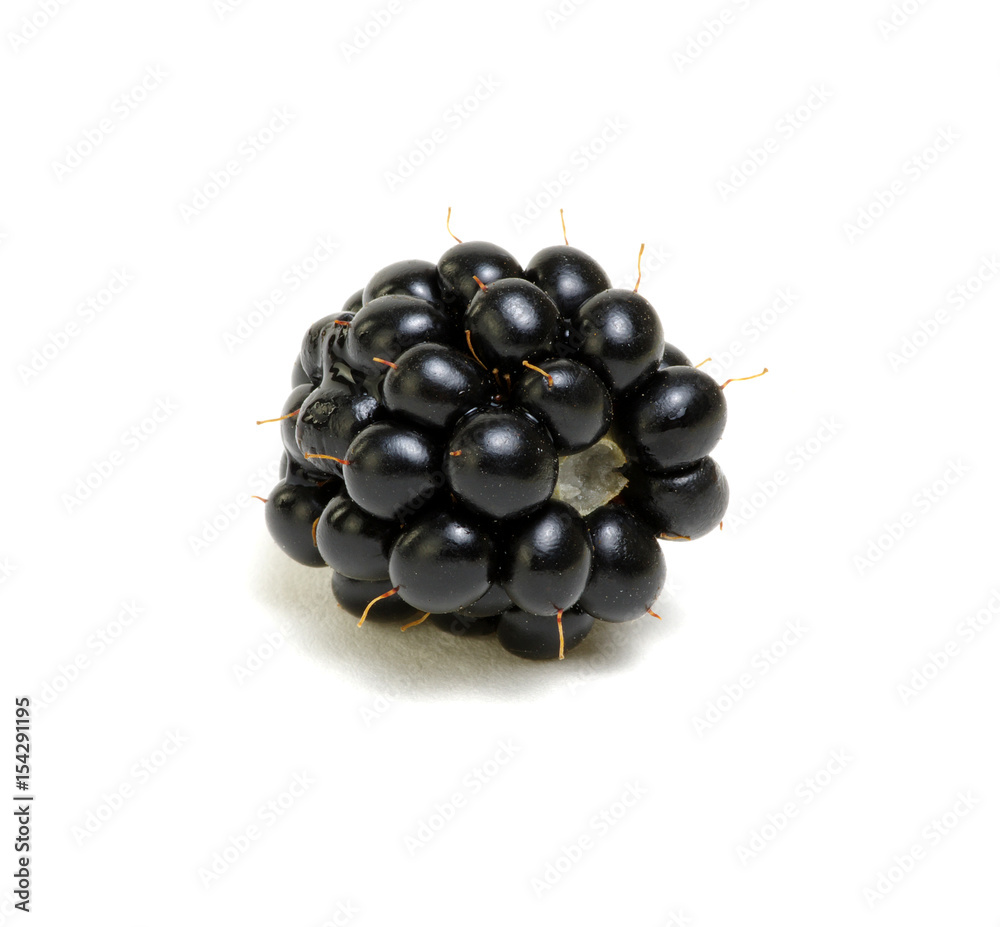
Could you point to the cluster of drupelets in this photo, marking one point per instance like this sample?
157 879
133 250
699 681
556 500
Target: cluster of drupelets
496 448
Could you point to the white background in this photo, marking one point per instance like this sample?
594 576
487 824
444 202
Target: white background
786 637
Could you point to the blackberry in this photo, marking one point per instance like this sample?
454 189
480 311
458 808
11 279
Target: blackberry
499 450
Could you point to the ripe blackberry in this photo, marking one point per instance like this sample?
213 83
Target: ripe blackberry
497 450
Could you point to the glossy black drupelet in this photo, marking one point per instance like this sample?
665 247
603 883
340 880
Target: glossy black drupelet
478 619
492 602
313 344
354 542
673 357
443 562
287 427
621 338
334 349
290 512
627 567
392 470
689 501
501 464
547 560
355 595
330 418
574 405
405 278
388 325
510 322
299 376
461 264
568 276
537 638
674 418
354 302
433 385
